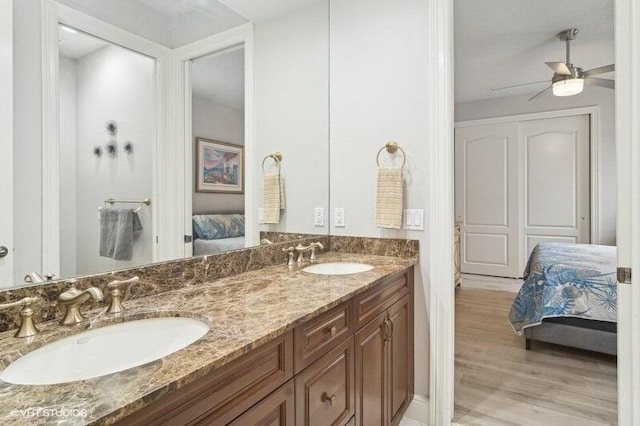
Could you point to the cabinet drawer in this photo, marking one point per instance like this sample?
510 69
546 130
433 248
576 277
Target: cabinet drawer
315 337
275 410
372 302
325 393
224 393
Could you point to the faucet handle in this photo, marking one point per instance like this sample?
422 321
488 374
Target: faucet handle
115 306
290 250
27 329
314 246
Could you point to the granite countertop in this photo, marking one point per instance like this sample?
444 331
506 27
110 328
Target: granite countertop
243 311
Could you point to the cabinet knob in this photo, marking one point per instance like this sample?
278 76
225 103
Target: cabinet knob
333 330
3 251
331 399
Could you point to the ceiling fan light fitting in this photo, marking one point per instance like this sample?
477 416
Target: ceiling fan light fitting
567 87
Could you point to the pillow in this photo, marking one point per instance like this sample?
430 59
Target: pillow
216 226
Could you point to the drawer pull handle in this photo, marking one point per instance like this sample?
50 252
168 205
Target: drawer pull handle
331 399
333 331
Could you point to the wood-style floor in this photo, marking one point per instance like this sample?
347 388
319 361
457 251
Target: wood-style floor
498 382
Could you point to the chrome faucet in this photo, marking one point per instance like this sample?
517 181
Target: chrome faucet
72 299
27 329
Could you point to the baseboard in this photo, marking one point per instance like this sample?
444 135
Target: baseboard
418 409
485 282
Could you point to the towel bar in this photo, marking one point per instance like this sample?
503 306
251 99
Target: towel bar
277 157
392 147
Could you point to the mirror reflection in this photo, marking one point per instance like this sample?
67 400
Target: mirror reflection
107 120
113 113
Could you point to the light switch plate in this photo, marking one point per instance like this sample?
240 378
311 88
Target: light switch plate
338 217
318 216
414 219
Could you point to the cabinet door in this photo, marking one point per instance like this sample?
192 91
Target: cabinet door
371 373
325 390
400 358
278 409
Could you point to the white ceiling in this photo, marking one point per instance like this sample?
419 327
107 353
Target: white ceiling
219 78
506 42
262 10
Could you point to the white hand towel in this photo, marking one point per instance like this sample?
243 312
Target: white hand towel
271 198
389 201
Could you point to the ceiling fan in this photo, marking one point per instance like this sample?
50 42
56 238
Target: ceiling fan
567 79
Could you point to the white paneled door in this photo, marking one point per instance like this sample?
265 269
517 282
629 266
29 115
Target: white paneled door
6 142
555 166
518 184
486 202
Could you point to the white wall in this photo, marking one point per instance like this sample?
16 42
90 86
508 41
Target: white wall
68 205
592 96
212 120
291 104
113 84
27 128
379 93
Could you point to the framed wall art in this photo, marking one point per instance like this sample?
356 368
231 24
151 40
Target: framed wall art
219 167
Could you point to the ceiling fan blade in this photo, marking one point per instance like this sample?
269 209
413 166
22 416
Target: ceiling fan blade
539 93
519 85
559 68
600 70
602 82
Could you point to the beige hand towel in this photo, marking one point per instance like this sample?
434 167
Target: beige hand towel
271 198
282 203
389 198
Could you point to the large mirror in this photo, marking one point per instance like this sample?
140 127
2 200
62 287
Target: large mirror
241 105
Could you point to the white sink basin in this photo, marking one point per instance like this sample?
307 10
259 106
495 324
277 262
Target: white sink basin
338 268
104 350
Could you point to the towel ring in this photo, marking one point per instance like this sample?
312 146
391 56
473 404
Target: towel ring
392 147
276 156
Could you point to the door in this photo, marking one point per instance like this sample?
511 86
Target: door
401 358
486 202
6 141
371 373
555 175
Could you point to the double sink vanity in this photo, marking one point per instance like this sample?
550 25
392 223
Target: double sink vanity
240 338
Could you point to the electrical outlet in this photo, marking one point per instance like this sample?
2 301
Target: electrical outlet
338 217
318 216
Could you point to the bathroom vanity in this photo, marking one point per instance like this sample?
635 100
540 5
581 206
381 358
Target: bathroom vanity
284 347
356 359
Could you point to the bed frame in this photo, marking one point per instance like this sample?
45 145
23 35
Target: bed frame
591 335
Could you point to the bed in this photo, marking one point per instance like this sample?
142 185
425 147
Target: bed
569 297
216 233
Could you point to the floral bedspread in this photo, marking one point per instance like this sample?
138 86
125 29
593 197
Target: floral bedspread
566 280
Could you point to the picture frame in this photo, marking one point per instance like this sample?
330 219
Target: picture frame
219 167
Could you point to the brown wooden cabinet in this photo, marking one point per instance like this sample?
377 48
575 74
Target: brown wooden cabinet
325 390
351 365
277 409
384 366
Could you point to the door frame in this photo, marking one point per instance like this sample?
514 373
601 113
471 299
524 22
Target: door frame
52 14
594 140
440 143
6 143
182 130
